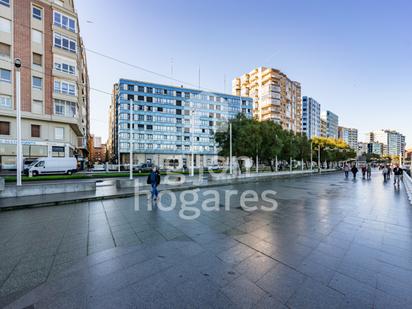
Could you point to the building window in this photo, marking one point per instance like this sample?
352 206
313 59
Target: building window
35 130
64 67
65 43
5 50
58 151
65 108
37 13
5 2
37 107
36 36
59 133
5 75
64 88
4 128
5 25
37 82
64 21
37 59
5 101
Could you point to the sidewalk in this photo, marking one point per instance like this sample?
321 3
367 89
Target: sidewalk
108 189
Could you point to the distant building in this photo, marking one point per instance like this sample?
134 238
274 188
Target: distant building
362 149
394 143
375 148
98 150
311 125
332 123
349 136
169 123
275 97
323 128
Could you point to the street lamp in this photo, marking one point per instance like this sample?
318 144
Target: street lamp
19 157
192 162
131 140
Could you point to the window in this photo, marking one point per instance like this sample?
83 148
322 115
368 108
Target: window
5 75
37 59
64 21
130 97
59 133
36 36
65 108
58 151
4 50
35 130
63 42
37 107
5 101
64 87
5 25
5 2
37 13
65 66
37 82
4 128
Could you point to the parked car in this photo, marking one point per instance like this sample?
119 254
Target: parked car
52 166
214 167
28 162
143 168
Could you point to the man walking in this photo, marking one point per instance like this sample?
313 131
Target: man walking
154 180
346 169
397 176
354 171
368 172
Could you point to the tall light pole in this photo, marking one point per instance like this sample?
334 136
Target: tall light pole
19 155
192 163
230 150
131 141
319 158
311 156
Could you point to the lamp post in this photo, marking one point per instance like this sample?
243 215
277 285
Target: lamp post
311 156
131 141
19 157
230 150
192 163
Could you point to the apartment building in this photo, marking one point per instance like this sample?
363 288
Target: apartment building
332 122
168 123
349 136
45 35
275 97
311 124
394 143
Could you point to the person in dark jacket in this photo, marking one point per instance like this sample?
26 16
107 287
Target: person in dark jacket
354 171
397 176
154 180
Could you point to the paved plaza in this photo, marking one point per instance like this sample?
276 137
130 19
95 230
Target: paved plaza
331 243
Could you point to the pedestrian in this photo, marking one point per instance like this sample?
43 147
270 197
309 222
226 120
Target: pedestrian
346 169
397 176
369 172
154 180
388 177
363 171
385 173
354 171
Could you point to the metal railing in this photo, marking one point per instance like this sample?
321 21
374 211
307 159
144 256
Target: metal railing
407 180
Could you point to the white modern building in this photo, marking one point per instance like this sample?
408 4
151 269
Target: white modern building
393 142
349 136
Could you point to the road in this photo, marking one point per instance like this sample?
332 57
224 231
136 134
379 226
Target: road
330 243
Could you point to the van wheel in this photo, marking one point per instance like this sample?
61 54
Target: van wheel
35 173
69 172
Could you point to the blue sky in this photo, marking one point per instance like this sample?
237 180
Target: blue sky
353 57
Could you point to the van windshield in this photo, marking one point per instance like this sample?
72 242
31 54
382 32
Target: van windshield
33 163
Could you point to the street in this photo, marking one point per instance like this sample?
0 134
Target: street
331 242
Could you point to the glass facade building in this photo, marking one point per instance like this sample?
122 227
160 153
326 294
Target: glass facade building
169 123
310 117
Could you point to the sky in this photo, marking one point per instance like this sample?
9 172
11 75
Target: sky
354 57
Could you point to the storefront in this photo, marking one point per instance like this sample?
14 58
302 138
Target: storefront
31 150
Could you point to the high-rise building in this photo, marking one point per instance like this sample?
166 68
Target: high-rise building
275 97
349 136
45 36
375 148
169 123
310 117
393 142
332 123
323 128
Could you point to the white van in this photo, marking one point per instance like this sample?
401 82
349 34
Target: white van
52 166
